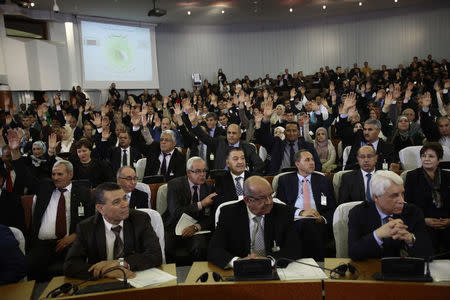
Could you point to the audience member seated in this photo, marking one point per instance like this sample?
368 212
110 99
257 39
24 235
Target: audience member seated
123 155
127 180
164 159
282 151
116 236
252 228
438 131
59 206
309 195
385 151
12 261
190 195
355 185
12 213
11 184
230 185
325 150
429 188
38 162
386 227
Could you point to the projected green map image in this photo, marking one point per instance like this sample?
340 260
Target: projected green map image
119 53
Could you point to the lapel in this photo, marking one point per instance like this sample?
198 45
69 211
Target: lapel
172 162
268 230
132 199
43 199
244 225
128 236
360 183
187 191
293 186
316 189
229 183
74 198
100 236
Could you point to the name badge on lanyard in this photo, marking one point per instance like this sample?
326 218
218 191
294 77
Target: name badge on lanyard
323 200
81 210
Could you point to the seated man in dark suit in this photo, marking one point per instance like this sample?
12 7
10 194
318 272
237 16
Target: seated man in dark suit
192 195
387 226
127 180
309 195
355 184
282 151
254 227
12 261
164 159
60 206
116 236
123 155
230 186
12 213
384 150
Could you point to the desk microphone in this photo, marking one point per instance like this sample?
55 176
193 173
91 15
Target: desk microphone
283 262
107 286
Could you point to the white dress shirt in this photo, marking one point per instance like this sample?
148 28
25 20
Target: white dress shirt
168 157
111 238
240 182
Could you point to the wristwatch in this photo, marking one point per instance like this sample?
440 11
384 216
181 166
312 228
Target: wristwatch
413 238
122 262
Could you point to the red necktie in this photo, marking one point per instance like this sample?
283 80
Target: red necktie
9 183
61 227
306 195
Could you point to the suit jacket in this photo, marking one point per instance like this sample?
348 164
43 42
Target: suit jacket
385 151
43 190
77 133
176 167
288 187
179 202
232 236
139 199
115 156
418 191
364 219
275 146
219 146
12 260
11 213
352 187
225 187
141 245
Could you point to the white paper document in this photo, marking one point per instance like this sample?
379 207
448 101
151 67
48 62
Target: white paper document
440 270
295 271
302 217
186 221
150 277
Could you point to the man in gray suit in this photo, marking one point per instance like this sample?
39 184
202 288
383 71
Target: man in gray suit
192 195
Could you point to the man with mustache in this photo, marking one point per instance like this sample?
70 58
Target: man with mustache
387 226
253 227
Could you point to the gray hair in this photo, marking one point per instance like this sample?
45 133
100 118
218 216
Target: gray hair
171 133
66 163
375 122
119 172
191 161
382 180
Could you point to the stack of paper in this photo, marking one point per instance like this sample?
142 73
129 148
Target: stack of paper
186 221
150 277
296 271
440 270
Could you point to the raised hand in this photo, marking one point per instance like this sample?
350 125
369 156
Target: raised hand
192 114
52 142
397 92
314 106
104 110
293 93
177 109
265 94
57 101
165 100
144 110
268 110
157 121
408 94
136 119
388 99
144 120
13 139
186 103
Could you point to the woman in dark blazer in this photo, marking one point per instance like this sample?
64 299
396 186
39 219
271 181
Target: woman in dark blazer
429 188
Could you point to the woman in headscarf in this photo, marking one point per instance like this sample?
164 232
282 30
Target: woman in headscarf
37 162
325 150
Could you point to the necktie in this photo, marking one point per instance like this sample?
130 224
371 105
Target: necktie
118 243
313 117
124 158
306 195
61 227
385 220
163 165
258 237
239 191
368 196
9 183
195 194
291 154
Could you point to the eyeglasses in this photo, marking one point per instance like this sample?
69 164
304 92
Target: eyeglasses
198 171
129 178
369 156
263 199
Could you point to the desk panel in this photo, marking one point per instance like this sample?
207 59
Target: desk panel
16 291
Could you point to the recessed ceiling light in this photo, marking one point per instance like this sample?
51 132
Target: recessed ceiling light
189 12
324 7
291 9
223 11
395 1
32 4
360 3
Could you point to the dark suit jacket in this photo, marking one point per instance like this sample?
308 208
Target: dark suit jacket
232 235
77 133
179 202
275 146
115 156
418 191
364 219
219 146
12 260
225 188
176 167
11 213
385 151
43 190
141 245
139 199
352 187
288 191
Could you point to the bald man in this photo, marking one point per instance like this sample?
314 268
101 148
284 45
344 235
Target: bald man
253 227
220 145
